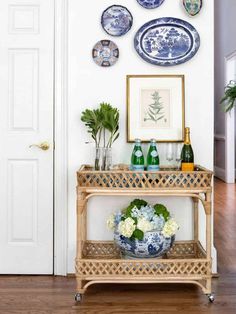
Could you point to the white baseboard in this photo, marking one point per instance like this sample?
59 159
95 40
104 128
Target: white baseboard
220 173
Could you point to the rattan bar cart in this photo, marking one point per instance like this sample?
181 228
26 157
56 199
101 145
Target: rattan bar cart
187 261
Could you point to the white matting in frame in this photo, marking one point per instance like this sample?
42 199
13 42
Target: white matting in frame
155 108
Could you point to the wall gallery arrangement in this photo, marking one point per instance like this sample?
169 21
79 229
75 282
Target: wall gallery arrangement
165 41
154 103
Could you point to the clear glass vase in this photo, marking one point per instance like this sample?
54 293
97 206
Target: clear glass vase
103 158
108 158
97 161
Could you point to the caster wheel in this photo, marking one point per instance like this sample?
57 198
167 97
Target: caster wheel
78 297
211 298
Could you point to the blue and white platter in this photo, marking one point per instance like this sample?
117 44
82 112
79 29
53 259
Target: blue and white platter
105 53
116 20
150 4
167 41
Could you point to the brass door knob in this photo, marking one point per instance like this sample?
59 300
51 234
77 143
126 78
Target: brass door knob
43 145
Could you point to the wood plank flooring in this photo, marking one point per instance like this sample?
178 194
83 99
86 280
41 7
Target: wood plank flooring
49 295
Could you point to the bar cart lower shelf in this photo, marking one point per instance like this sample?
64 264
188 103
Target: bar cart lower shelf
186 262
102 263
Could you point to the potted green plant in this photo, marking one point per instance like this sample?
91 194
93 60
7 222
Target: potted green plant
103 125
228 100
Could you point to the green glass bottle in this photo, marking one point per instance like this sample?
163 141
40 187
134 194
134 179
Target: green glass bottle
153 161
137 158
187 156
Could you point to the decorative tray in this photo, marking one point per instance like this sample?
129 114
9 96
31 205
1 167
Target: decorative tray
122 178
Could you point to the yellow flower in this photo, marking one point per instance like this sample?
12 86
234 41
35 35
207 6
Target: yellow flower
170 228
111 222
126 227
144 225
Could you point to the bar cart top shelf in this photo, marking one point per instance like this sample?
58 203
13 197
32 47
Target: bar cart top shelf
121 177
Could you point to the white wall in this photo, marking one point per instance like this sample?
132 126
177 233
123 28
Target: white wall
90 84
225 44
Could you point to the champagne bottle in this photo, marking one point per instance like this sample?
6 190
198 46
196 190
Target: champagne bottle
187 156
137 158
153 157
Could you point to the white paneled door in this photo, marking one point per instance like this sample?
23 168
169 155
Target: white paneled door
26 119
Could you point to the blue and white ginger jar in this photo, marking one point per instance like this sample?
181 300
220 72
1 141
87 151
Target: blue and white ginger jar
154 244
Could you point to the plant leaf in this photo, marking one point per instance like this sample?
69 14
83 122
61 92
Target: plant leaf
138 203
138 234
160 209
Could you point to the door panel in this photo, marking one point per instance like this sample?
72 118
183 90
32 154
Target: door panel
23 93
26 97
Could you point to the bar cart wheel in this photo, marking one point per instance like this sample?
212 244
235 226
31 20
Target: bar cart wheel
211 298
78 297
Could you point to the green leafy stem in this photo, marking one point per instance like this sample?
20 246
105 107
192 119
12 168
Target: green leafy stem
228 100
101 121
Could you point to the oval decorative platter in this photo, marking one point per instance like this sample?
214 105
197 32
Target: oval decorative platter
150 4
116 20
167 41
193 7
105 53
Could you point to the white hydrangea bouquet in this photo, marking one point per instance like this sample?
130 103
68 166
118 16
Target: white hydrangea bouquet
143 230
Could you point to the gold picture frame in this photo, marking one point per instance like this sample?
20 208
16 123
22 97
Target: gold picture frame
155 108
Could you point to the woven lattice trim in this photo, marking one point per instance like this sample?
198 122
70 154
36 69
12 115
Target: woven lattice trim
143 268
101 249
103 259
128 179
96 249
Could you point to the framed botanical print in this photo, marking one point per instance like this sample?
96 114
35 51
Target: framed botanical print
155 108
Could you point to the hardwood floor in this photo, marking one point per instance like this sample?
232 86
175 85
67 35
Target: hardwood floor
45 294
225 226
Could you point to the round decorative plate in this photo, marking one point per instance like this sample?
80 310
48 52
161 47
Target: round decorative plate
116 20
150 4
105 53
192 7
167 41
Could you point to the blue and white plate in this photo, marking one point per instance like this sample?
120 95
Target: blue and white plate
105 53
150 4
167 41
116 20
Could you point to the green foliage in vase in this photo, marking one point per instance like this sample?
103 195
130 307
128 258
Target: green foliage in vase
110 122
93 121
100 121
228 100
155 110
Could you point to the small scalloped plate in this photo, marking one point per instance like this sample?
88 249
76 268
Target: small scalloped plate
150 4
192 7
105 53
